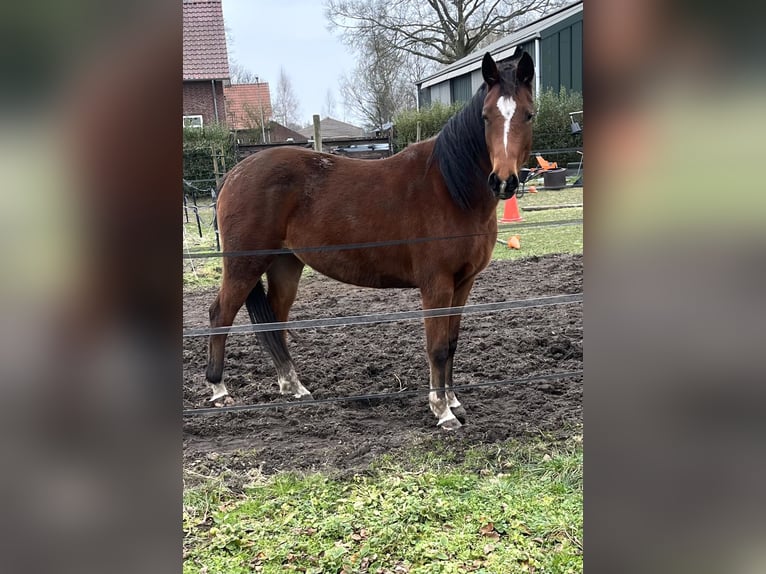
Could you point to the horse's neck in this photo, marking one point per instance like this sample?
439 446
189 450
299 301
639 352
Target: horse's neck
484 207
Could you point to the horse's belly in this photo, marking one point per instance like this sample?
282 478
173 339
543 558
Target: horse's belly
357 271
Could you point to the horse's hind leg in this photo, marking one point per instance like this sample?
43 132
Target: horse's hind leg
229 300
283 275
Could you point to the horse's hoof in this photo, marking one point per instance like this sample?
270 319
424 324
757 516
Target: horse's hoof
307 396
450 424
224 401
219 391
460 414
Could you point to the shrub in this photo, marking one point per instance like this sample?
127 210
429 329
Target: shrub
198 146
432 119
552 129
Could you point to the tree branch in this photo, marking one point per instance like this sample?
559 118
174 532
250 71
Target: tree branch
438 30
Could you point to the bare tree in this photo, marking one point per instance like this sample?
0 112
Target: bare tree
257 119
239 74
329 104
439 30
286 106
378 88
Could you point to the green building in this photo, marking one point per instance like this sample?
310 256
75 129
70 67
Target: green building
554 42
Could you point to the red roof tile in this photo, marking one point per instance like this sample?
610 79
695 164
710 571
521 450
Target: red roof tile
243 104
205 56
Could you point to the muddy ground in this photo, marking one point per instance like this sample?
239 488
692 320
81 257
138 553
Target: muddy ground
385 358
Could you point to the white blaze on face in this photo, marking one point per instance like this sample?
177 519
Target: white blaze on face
506 106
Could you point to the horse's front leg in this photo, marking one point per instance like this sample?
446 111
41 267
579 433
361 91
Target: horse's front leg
438 349
458 300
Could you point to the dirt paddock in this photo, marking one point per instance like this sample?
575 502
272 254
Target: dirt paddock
385 358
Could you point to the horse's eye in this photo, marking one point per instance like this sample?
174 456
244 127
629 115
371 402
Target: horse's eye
485 118
530 116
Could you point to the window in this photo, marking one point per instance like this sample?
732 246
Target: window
460 89
192 121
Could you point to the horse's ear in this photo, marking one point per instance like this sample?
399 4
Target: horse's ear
525 69
518 53
489 70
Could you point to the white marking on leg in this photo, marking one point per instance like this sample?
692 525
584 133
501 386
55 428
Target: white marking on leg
219 390
447 417
440 408
285 387
290 384
507 107
453 402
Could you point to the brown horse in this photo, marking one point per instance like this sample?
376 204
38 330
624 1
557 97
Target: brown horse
448 185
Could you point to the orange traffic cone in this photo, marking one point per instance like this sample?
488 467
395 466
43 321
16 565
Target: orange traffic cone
513 242
532 189
511 211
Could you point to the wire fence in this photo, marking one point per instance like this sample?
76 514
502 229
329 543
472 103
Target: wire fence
314 402
373 244
191 185
391 317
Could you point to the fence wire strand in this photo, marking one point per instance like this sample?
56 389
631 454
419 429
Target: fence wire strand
388 317
372 397
372 244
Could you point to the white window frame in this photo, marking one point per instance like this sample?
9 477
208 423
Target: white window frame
192 117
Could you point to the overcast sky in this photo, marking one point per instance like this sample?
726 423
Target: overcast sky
293 34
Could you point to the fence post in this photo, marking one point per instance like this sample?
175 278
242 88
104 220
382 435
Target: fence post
218 154
317 134
417 132
214 205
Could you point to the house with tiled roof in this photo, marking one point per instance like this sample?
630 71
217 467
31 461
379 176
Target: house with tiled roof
330 128
205 63
273 133
248 106
248 112
276 133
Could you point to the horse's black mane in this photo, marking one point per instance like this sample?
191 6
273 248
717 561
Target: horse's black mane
460 146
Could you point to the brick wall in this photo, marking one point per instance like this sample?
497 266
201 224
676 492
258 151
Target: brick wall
198 100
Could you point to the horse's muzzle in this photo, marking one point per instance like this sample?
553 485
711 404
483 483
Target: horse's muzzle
503 189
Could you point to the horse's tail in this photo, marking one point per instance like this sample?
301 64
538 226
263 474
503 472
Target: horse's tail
261 312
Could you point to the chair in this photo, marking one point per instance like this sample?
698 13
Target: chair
554 177
525 173
546 165
577 130
574 125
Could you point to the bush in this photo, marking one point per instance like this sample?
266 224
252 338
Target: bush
552 129
198 145
432 119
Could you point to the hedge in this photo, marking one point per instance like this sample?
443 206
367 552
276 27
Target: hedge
197 152
552 129
432 119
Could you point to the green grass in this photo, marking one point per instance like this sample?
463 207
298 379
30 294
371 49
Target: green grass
543 240
200 273
506 508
